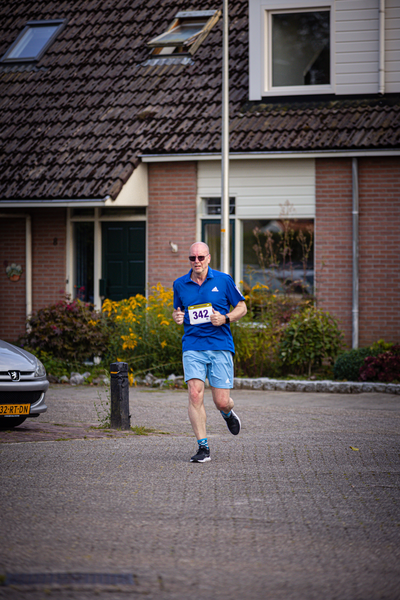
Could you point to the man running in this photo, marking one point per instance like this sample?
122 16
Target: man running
202 302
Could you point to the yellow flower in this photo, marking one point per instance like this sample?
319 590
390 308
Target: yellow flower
163 344
164 322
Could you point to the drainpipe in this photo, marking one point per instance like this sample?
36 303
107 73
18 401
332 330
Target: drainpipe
381 47
28 263
28 257
355 253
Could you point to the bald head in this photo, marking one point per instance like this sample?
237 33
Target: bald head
199 248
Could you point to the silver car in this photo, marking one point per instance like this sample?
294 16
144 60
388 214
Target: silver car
23 385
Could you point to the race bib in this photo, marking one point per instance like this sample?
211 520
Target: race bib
200 313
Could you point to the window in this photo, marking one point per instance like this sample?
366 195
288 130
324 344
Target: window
300 48
211 230
211 235
213 206
279 253
186 32
84 261
291 48
33 41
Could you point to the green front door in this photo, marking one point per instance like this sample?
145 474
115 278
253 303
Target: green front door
124 252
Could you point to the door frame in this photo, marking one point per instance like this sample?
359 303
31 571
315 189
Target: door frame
125 253
97 218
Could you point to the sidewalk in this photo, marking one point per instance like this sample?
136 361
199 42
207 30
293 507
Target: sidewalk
303 504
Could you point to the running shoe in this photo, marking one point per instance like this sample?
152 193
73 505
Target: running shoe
233 423
203 455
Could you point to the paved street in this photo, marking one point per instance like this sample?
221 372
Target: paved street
303 505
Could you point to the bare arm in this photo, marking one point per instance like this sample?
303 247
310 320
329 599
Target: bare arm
237 313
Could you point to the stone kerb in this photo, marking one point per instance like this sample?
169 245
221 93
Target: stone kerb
333 387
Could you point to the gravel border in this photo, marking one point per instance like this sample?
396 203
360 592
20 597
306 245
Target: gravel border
262 383
334 387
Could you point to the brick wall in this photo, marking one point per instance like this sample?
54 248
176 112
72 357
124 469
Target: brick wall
48 266
333 239
12 293
379 231
379 245
171 217
48 255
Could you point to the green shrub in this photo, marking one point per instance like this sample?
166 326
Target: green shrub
144 334
310 338
257 335
256 346
347 366
265 306
71 331
54 366
385 367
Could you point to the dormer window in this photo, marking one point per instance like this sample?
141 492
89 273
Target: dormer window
300 48
33 41
293 48
186 32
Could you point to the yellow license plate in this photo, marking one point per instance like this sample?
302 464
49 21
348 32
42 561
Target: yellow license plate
14 409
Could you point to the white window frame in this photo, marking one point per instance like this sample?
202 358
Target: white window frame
260 59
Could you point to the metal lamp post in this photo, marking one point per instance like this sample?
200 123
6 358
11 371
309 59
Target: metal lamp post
225 145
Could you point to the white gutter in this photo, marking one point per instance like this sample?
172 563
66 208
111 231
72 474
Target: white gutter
381 47
62 203
161 158
28 257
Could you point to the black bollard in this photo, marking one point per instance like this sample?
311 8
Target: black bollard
120 417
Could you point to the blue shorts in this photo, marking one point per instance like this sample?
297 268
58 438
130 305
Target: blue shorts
216 365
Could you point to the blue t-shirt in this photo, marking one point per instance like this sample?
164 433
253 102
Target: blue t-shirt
219 289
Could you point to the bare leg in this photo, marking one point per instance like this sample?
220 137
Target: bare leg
222 399
196 410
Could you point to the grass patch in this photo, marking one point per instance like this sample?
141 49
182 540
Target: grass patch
136 429
141 430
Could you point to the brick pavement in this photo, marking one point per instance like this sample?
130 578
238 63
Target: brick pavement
303 504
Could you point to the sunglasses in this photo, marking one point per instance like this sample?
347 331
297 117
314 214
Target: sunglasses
200 258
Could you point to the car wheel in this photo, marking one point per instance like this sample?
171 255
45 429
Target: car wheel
10 422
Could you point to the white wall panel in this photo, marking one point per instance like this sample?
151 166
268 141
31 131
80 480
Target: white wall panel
355 59
357 43
364 36
392 46
262 187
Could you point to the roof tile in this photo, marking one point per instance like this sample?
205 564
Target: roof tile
75 125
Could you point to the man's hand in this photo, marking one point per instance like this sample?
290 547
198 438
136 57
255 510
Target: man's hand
178 316
237 313
217 319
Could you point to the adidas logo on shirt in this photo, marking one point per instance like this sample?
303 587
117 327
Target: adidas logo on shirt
215 289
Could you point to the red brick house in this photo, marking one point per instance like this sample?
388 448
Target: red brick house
111 141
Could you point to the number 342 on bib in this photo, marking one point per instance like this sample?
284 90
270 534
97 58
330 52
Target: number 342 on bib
200 313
